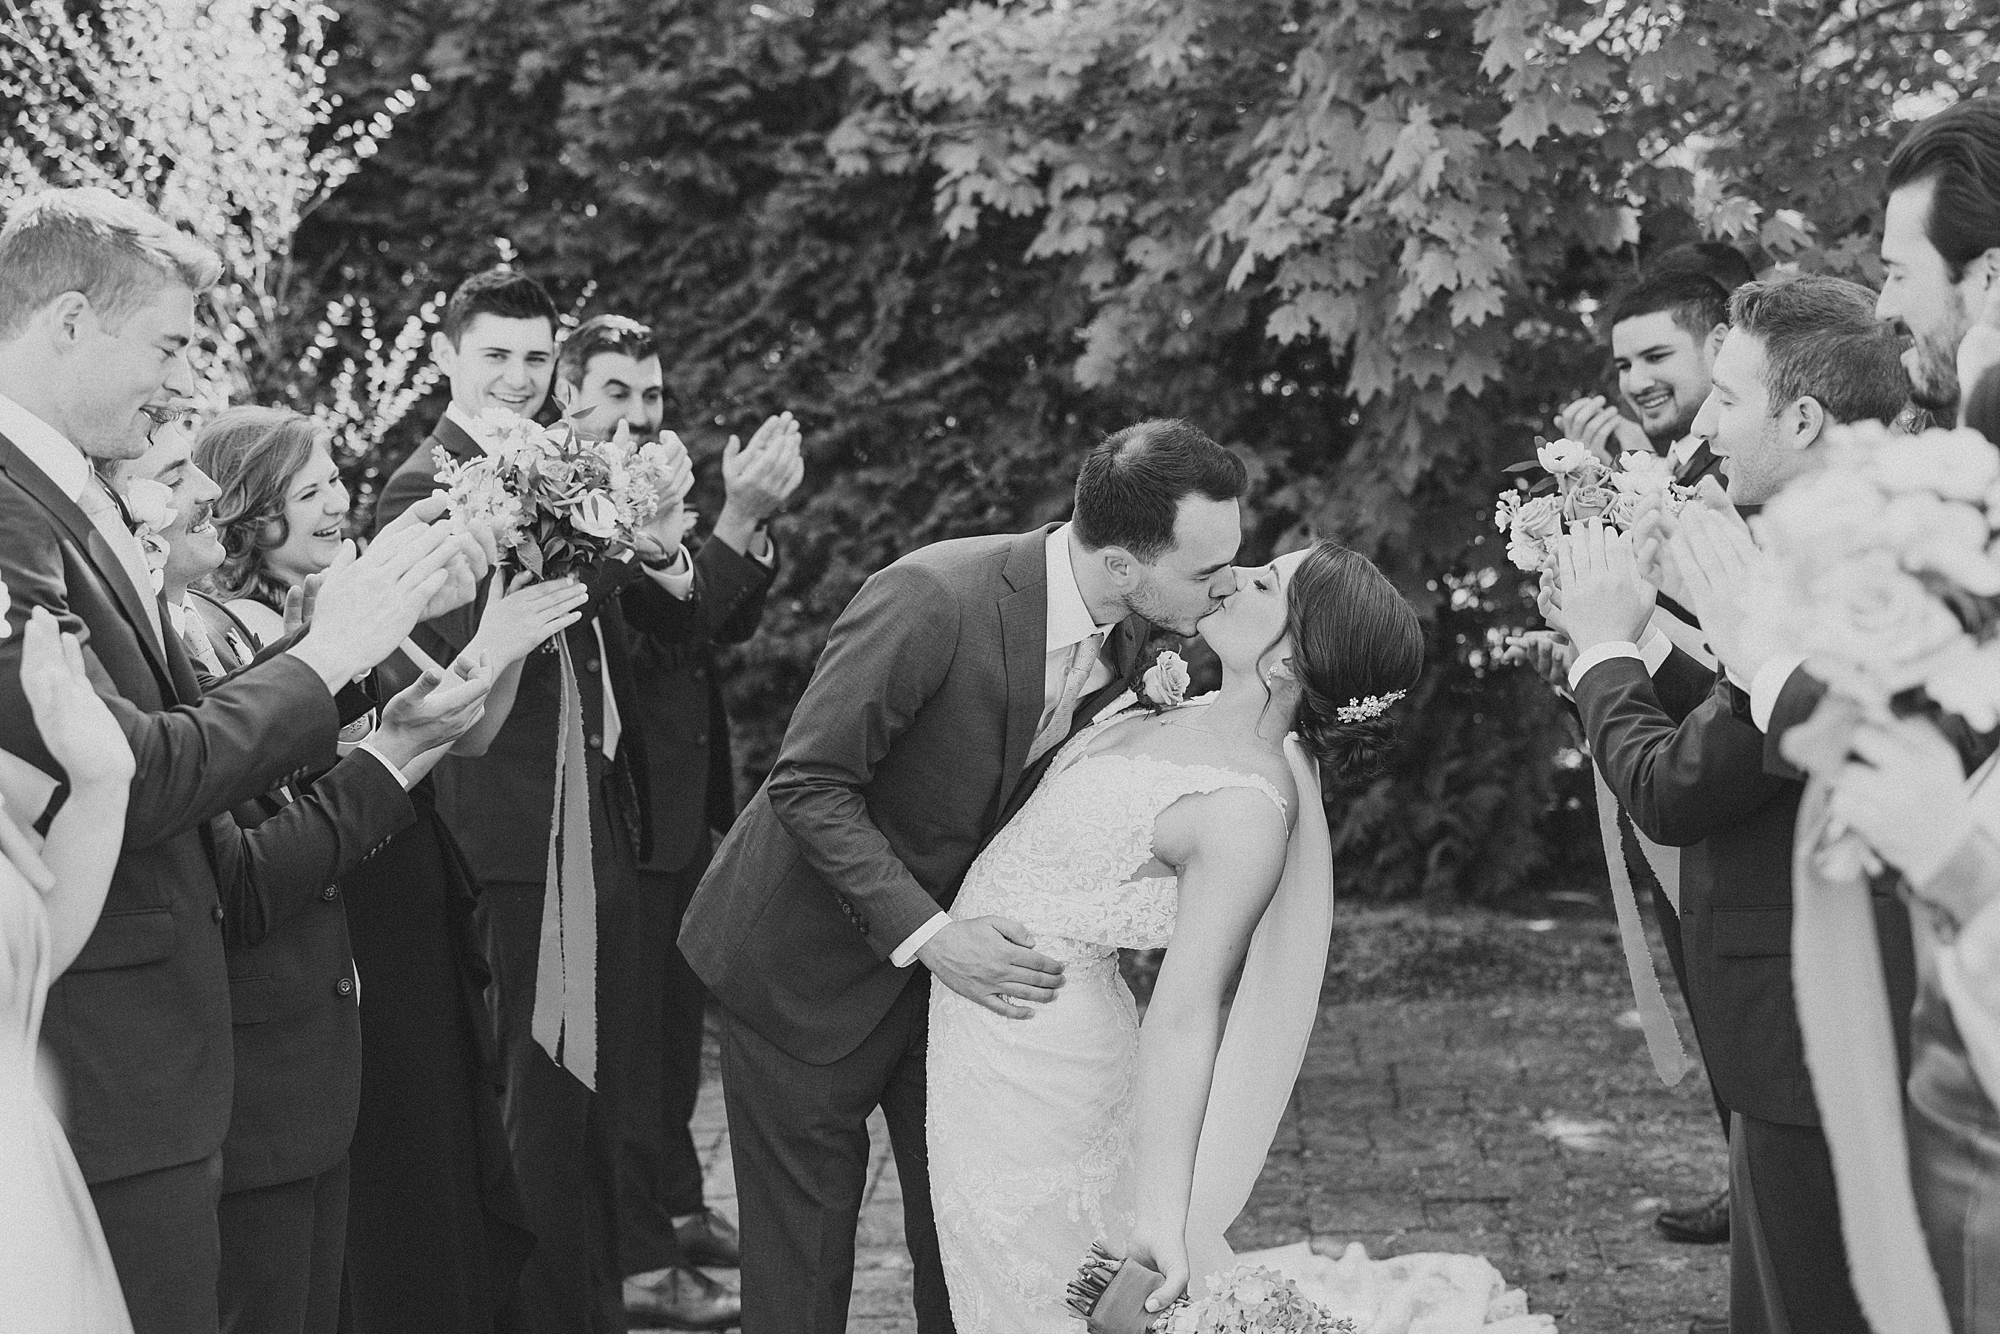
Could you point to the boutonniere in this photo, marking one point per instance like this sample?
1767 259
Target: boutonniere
151 506
1165 683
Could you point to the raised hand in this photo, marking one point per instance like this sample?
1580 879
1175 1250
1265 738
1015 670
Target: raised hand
519 619
430 713
76 726
1595 423
1717 567
1904 791
662 534
366 605
1548 652
1604 600
473 555
991 961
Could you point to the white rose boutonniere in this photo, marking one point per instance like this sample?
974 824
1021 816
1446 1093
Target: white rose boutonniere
1165 683
6 605
150 504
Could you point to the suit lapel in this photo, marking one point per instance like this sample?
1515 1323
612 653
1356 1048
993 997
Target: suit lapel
451 437
104 561
1024 646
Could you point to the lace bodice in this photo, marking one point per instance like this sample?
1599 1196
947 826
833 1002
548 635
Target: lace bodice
1065 866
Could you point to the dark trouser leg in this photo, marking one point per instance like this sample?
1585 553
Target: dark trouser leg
161 1230
282 1248
903 1108
1669 919
1955 1167
648 1038
1787 1262
799 1139
558 1139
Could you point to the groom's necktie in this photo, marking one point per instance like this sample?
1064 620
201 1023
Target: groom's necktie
107 516
1056 726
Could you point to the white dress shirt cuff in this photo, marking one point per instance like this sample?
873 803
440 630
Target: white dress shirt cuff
1597 653
678 578
905 954
1768 684
370 748
1975 1000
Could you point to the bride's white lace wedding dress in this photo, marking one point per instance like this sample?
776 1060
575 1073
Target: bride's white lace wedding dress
1029 1120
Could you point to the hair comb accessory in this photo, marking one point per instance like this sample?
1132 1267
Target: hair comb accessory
1361 710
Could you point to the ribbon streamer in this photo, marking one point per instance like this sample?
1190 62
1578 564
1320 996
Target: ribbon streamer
1656 1021
565 1016
1851 1052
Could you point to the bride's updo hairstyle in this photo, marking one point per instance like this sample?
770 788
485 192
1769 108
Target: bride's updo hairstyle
1354 640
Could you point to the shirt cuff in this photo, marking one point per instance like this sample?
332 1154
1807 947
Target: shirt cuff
1768 684
369 747
905 954
1654 650
678 578
1597 653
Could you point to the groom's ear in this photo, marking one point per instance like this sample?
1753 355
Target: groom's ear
1118 563
443 353
1805 421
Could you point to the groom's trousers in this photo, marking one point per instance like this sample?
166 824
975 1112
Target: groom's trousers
798 1137
1787 1261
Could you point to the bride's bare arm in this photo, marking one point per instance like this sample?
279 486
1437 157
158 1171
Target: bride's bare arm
1231 853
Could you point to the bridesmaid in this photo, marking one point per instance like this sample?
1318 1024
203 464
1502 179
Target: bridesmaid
435 1236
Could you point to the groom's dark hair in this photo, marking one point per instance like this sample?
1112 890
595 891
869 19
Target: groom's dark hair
1696 301
1130 487
1959 148
1822 341
502 291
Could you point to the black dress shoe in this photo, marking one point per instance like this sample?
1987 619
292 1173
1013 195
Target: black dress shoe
1708 1324
680 1299
709 1240
1704 1224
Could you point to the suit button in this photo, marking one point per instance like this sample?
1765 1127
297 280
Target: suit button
329 893
701 738
699 673
590 665
344 987
216 912
594 741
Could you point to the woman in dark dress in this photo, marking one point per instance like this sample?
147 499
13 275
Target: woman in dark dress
435 1234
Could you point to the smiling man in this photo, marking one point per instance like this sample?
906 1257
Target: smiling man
1941 242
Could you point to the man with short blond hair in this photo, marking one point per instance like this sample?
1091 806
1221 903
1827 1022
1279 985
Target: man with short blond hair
98 296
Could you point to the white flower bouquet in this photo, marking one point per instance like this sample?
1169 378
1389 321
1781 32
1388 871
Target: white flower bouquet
1578 487
1109 1292
1887 571
558 500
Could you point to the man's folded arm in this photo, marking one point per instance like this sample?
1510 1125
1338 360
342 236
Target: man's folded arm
886 656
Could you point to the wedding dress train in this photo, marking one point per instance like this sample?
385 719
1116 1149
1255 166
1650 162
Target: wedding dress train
1029 1120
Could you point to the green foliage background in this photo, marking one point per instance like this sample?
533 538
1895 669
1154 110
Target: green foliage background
1360 240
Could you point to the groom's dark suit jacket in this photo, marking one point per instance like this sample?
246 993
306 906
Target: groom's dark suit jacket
1703 784
140 1023
908 749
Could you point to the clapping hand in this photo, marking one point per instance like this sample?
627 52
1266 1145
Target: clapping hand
476 551
1603 599
1716 566
1548 652
661 536
366 605
519 619
1594 423
429 713
1904 791
991 961
759 478
75 723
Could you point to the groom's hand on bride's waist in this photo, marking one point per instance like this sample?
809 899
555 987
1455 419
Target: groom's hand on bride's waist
991 961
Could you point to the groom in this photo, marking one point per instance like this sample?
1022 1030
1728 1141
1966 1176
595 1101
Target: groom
943 689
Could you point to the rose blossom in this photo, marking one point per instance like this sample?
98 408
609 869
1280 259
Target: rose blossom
1867 613
1957 465
1588 502
1944 536
1823 514
1639 473
1166 681
1540 518
1967 683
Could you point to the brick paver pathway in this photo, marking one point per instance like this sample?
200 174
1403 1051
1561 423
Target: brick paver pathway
1532 1131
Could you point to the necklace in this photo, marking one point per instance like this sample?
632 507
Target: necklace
1168 720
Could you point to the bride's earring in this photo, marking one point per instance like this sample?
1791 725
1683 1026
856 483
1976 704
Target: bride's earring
1281 670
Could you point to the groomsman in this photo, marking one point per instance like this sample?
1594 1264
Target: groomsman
1802 354
609 372
97 299
497 348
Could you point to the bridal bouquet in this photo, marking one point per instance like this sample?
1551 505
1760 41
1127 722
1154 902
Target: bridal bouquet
561 502
1109 1292
1579 487
1887 571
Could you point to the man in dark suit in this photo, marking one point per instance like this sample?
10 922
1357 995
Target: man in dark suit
944 688
96 309
497 348
609 373
1802 354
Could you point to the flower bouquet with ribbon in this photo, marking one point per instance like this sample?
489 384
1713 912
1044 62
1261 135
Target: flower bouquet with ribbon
1884 573
1110 1293
1576 487
560 503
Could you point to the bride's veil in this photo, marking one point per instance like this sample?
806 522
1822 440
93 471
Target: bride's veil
1264 1043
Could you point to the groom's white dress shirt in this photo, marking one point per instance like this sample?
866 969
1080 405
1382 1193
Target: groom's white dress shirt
1069 624
677 579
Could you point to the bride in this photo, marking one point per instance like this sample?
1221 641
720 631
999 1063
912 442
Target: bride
1197 828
